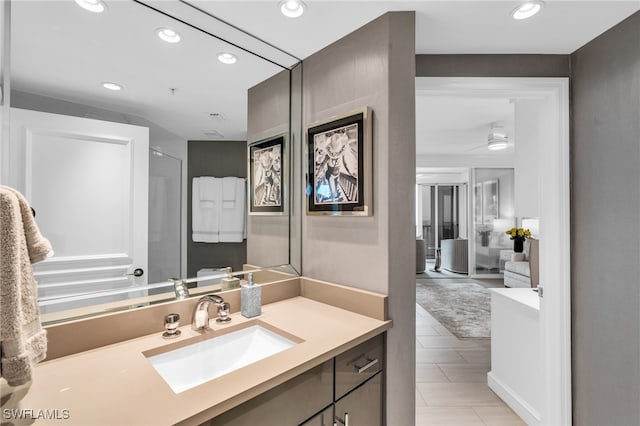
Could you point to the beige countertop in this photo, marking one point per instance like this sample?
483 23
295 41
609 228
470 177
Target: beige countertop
117 385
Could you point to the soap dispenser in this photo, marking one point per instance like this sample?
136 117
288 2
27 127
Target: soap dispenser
250 298
230 282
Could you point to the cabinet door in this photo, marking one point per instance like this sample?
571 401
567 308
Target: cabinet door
325 418
287 404
363 406
357 365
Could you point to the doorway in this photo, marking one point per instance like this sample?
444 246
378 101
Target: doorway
440 214
551 198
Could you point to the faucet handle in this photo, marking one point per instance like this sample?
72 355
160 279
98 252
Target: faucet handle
171 324
223 312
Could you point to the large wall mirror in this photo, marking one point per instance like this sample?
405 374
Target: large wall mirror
113 114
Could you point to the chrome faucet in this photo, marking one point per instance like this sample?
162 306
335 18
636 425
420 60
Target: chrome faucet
201 313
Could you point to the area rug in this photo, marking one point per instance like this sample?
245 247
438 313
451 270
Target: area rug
464 308
442 274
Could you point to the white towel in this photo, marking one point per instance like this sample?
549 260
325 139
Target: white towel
205 214
229 189
232 220
209 188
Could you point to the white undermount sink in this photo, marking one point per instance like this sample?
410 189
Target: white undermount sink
192 365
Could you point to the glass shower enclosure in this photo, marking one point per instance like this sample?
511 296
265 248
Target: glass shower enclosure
165 193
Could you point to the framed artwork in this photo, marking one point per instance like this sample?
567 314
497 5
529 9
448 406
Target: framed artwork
477 206
267 176
490 201
339 176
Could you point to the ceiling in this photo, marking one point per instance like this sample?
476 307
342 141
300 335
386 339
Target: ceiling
61 50
460 124
449 26
445 125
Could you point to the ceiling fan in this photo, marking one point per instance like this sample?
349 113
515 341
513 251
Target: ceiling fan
497 139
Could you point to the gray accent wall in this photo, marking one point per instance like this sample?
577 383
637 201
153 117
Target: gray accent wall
605 218
217 159
492 65
373 66
268 116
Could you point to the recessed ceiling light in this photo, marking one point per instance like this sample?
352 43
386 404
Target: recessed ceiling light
292 8
168 35
227 58
527 9
96 6
111 86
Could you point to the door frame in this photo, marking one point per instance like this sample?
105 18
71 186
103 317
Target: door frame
554 198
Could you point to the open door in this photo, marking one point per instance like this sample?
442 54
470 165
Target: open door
88 183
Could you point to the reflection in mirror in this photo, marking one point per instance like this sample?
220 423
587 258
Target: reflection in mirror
169 289
112 116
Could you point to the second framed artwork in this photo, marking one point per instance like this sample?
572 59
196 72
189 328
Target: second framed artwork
267 176
339 175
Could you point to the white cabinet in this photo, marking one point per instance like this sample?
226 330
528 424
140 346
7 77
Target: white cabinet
516 372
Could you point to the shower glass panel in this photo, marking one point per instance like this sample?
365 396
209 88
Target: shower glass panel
165 174
493 214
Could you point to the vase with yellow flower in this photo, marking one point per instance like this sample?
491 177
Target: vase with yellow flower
518 235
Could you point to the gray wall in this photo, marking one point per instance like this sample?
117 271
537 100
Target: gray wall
268 116
373 66
492 65
297 193
217 159
605 227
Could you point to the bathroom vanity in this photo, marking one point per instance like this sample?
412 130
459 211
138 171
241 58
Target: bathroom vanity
348 386
333 370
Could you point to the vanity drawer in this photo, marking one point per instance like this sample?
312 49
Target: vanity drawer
358 364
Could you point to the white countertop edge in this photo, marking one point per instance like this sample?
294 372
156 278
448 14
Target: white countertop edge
524 296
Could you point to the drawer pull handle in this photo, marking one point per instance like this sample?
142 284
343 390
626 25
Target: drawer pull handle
370 363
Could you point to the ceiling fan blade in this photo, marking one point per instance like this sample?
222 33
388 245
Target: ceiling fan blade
478 147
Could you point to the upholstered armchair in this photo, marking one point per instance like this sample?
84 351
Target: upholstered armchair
524 273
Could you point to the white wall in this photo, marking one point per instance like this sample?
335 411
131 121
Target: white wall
528 131
486 161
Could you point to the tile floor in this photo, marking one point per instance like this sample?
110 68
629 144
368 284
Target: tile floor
451 379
